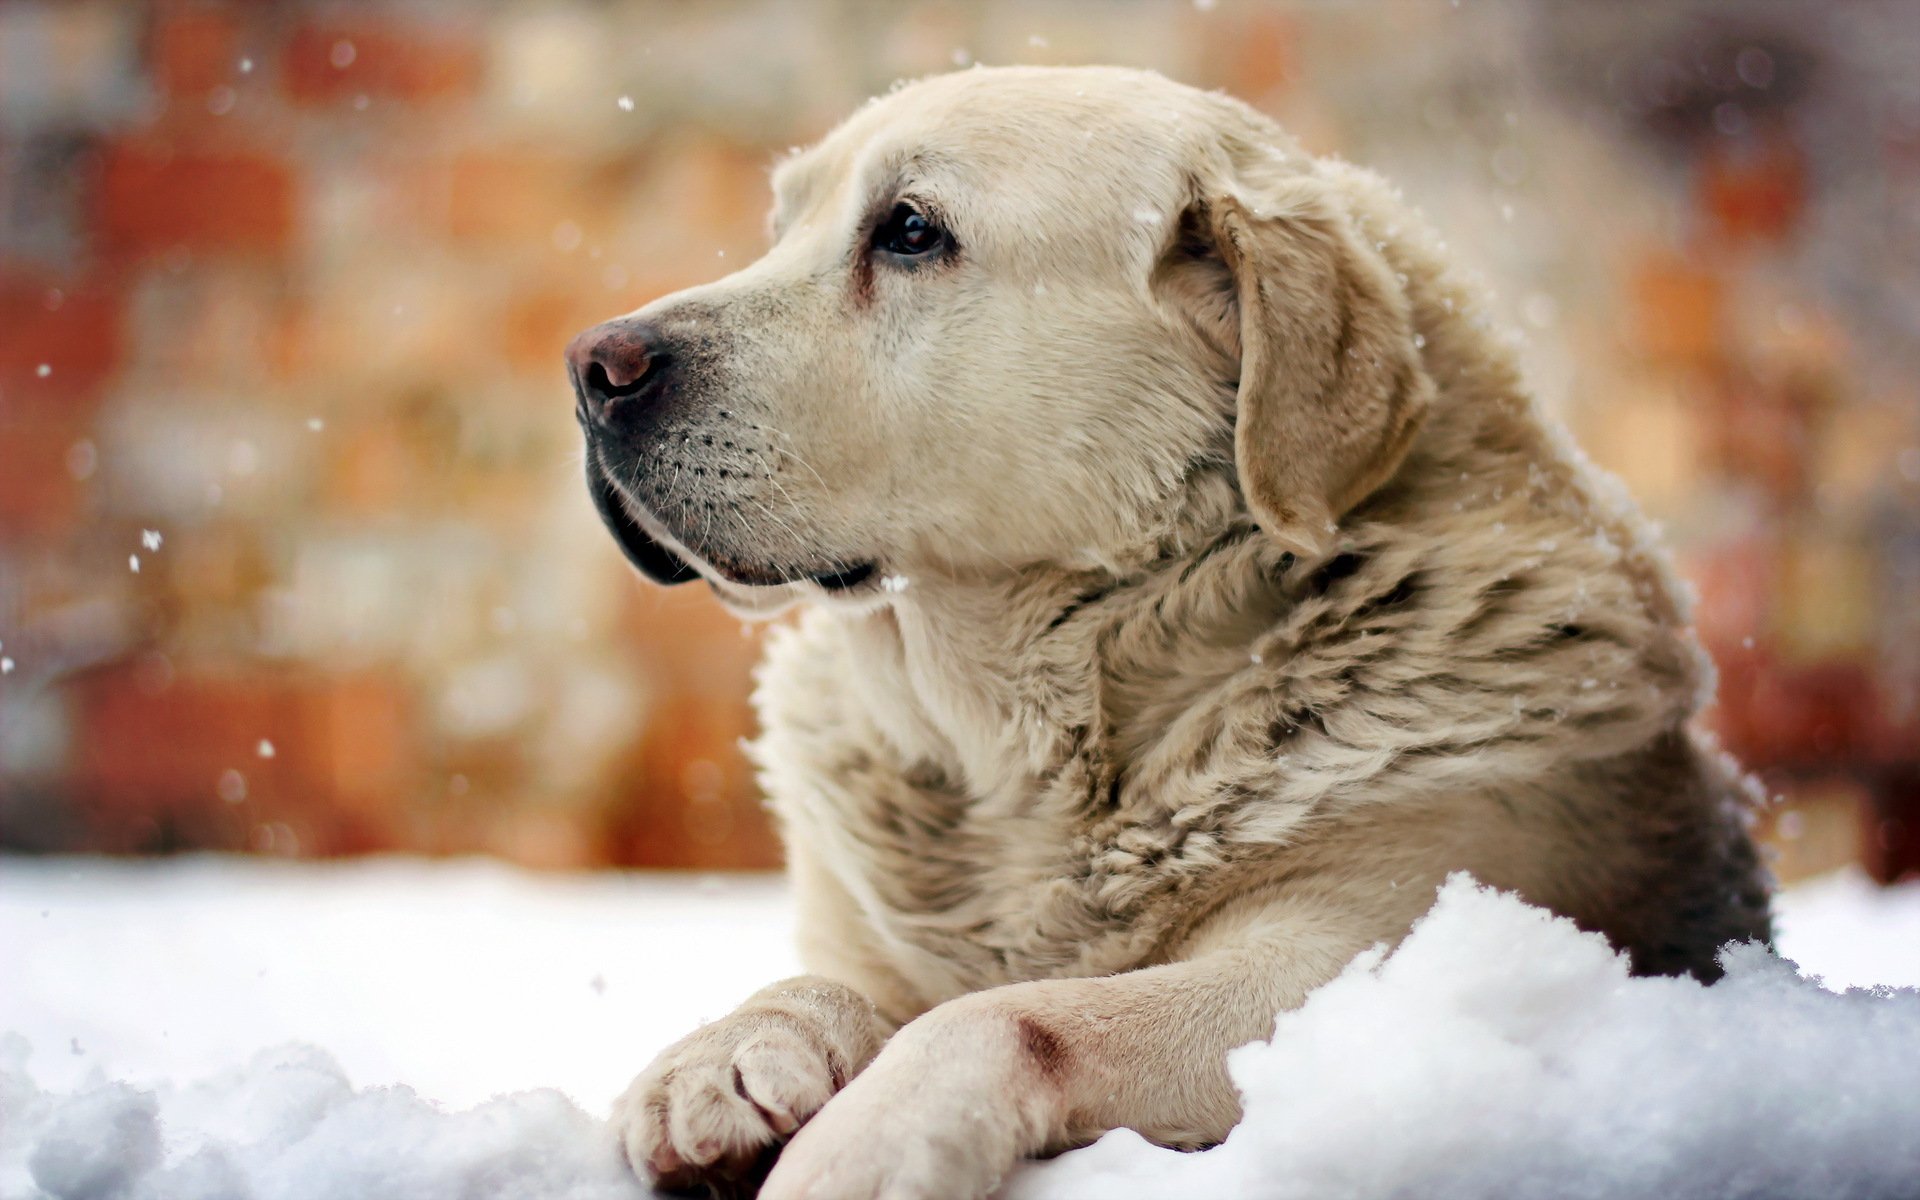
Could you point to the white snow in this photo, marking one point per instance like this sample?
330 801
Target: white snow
1851 933
166 1015
1500 1052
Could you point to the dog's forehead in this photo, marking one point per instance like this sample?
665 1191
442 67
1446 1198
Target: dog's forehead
1011 106
1060 126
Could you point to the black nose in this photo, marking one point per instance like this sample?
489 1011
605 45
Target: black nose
618 369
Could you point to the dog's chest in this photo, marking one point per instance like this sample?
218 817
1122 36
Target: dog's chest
1044 875
962 892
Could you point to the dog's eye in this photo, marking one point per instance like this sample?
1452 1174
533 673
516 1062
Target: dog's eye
908 232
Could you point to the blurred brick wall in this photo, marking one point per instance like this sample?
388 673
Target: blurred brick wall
294 555
286 287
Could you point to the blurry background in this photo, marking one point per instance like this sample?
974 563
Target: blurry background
295 557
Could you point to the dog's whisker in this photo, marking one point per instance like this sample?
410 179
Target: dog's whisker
792 453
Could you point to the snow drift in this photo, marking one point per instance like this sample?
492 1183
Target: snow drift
288 1125
1501 1052
1498 1052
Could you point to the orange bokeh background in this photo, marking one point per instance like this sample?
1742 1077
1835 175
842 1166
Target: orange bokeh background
294 555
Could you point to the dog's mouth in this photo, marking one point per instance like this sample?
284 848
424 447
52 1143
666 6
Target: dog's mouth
654 559
642 549
846 580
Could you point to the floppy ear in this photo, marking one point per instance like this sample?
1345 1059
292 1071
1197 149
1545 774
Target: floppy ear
1331 387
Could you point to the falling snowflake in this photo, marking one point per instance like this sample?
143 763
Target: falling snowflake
625 103
151 539
1755 67
133 563
265 749
43 370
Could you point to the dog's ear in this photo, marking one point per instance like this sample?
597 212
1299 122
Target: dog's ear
1331 388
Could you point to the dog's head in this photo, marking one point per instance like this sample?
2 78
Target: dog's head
1005 316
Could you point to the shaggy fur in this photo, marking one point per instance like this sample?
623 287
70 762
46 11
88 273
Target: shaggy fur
1247 594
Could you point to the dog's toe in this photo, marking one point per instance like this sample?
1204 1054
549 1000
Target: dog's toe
713 1111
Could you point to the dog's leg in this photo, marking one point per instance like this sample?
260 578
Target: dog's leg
713 1106
962 1093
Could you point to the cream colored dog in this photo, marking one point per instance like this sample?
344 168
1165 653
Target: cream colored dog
1191 585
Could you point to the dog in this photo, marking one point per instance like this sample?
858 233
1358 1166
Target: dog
1189 586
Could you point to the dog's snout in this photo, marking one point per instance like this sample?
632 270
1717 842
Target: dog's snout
618 367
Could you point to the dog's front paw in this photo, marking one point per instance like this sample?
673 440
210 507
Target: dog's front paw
951 1104
713 1109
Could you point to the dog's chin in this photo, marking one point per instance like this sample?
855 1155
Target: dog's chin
647 554
745 588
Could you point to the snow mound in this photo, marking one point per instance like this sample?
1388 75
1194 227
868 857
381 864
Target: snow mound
1498 1052
1501 1052
1850 931
288 1126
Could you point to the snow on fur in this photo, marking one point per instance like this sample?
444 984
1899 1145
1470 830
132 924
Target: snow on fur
1498 1052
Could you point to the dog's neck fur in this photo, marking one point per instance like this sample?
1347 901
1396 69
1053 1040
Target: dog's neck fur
996 681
